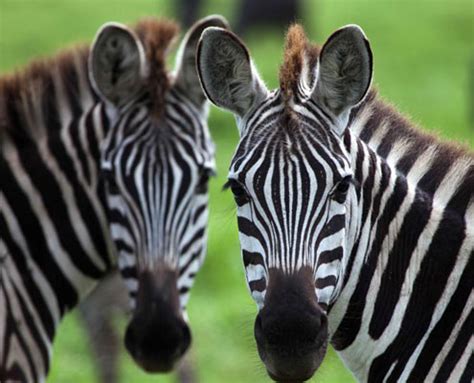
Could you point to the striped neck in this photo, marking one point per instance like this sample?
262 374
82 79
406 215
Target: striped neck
408 205
54 127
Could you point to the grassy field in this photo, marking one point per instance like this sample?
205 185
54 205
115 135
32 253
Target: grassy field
424 63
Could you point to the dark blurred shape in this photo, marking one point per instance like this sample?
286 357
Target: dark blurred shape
275 13
98 310
188 12
250 13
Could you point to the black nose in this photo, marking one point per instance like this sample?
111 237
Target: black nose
292 343
291 329
156 344
283 326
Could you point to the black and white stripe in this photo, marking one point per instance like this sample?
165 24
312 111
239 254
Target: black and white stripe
381 213
87 184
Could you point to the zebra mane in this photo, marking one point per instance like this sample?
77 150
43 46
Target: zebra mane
385 130
299 52
36 84
32 91
374 120
157 36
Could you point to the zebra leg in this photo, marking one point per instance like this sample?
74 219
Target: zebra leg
97 313
186 372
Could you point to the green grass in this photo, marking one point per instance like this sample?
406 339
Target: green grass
424 60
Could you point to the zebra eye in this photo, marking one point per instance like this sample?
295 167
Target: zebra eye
110 182
340 192
203 182
240 194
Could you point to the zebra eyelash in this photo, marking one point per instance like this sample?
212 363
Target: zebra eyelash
209 172
341 188
230 183
226 186
354 182
238 190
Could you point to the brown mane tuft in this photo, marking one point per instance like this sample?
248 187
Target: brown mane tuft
35 81
297 48
156 36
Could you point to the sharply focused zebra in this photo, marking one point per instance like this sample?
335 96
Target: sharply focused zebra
355 227
105 159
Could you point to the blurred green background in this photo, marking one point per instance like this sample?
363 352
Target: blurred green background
424 63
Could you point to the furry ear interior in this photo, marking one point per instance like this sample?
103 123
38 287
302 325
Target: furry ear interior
117 64
186 72
226 72
344 72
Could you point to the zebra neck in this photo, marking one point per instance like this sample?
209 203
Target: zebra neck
382 242
404 204
53 128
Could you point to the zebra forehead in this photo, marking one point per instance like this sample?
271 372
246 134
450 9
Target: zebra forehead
286 130
298 52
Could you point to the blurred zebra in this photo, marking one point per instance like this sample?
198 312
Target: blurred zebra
98 313
110 168
355 227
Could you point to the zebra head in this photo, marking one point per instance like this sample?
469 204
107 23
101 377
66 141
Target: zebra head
292 179
156 160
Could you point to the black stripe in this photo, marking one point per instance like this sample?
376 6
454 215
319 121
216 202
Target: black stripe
129 272
19 259
191 259
330 256
36 243
458 348
196 236
468 374
248 228
183 290
258 285
12 330
330 280
441 333
70 81
428 287
350 325
398 262
32 329
61 155
252 258
57 207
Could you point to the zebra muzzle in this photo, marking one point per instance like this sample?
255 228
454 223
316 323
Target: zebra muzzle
291 329
157 336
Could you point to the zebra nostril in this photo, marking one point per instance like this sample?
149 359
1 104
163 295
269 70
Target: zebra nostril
258 329
324 320
131 340
186 339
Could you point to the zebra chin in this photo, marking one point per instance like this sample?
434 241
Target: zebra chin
157 335
291 329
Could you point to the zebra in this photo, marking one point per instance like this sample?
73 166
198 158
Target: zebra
356 228
105 162
97 313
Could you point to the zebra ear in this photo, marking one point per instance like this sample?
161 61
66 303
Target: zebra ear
227 74
186 72
344 72
117 65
